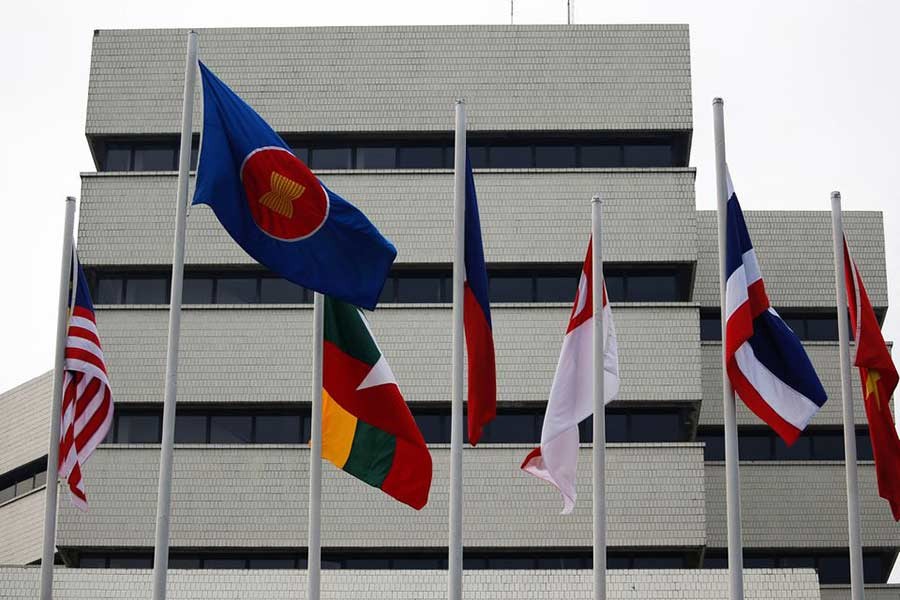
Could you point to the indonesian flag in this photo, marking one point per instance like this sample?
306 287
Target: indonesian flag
879 379
571 397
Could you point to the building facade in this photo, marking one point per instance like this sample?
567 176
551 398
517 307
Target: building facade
556 113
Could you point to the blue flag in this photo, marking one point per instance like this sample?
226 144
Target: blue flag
278 211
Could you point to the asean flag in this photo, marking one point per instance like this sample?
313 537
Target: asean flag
278 211
571 396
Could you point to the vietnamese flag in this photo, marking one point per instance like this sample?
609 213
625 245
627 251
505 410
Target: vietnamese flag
879 379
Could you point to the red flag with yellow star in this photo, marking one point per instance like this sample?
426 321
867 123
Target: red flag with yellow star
879 379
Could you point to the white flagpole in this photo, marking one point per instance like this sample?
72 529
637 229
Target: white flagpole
599 443
62 321
856 566
732 476
455 571
314 545
164 496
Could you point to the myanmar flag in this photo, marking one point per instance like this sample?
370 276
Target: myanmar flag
367 429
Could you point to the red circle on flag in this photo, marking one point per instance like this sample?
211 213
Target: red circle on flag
286 200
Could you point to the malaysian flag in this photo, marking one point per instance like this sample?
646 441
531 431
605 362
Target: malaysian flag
87 408
766 362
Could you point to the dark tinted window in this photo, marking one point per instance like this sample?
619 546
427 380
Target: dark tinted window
712 561
800 450
649 155
190 429
863 446
376 158
92 562
197 290
556 288
389 291
331 158
797 562
821 328
184 562
40 479
648 287
555 157
130 562
873 569
601 156
759 562
435 428
616 427
478 157
658 562
655 427
118 158
419 289
510 289
230 429
224 563
154 158
138 429
302 154
512 428
754 446
615 287
278 429
421 158
236 290
147 291
272 563
110 290
715 445
26 485
834 569
511 157
829 445
280 291
710 328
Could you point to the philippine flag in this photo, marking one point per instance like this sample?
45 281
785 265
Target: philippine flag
766 362
571 396
278 211
482 404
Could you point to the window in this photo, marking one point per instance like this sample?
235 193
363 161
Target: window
236 290
834 569
478 157
197 290
710 326
423 157
184 562
224 563
376 158
419 289
601 157
278 429
7 493
510 288
640 284
435 428
191 429
24 486
231 429
272 563
647 155
808 326
816 443
510 157
280 291
138 429
130 562
147 290
555 288
92 562
331 158
110 290
555 157
714 445
155 157
118 157
513 428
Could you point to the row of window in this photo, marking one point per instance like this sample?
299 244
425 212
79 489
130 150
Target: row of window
833 568
812 327
254 426
413 560
764 444
424 154
22 480
623 284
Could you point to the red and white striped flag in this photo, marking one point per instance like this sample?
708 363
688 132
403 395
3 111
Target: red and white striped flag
87 408
571 396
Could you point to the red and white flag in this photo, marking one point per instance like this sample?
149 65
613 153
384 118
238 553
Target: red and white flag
571 397
87 408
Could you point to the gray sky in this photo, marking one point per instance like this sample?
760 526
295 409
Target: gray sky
810 88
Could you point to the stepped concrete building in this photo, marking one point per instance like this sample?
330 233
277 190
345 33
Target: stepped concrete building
556 113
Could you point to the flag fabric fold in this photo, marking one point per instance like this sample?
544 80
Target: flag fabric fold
482 372
278 211
87 408
367 429
571 395
879 380
765 361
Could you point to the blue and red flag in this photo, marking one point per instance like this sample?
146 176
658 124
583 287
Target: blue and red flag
278 211
482 402
766 362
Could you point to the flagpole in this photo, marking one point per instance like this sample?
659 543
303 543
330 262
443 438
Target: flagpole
314 544
856 565
599 442
164 495
455 571
732 475
62 314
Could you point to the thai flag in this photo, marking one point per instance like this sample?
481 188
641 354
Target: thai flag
766 362
482 402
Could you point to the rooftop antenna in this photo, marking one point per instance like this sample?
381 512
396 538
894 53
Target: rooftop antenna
571 5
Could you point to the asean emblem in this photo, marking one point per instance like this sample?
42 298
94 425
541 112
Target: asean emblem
285 199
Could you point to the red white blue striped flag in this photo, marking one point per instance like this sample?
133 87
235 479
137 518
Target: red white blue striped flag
766 362
87 408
